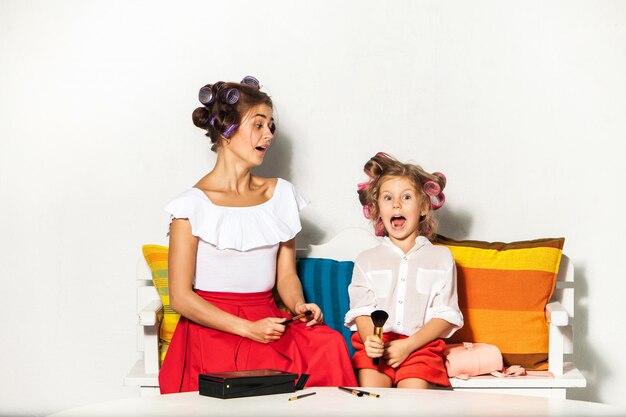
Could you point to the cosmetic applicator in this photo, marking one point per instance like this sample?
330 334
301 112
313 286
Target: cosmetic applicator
379 317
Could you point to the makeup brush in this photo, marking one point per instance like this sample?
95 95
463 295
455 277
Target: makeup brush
299 316
379 317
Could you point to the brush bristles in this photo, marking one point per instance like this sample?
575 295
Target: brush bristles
379 317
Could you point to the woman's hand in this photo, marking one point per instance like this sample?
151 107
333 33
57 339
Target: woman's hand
315 318
374 347
266 330
397 351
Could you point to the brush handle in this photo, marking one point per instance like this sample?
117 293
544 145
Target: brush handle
299 316
378 331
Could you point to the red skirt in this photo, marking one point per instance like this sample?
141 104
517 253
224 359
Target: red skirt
318 351
425 363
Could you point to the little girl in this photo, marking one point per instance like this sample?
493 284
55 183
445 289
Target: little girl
407 276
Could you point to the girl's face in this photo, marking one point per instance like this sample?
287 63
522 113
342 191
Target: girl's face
400 206
253 137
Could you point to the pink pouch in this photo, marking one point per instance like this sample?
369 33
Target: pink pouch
464 360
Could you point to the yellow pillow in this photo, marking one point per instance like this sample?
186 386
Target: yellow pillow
503 290
156 257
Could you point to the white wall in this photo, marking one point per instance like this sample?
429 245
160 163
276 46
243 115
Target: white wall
521 104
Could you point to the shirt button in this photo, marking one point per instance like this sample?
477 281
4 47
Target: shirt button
405 258
399 301
398 323
402 279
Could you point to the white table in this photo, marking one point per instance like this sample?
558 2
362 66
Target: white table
329 402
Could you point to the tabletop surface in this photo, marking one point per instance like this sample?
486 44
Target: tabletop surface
330 401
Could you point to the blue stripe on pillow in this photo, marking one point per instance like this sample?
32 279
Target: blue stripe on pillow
325 283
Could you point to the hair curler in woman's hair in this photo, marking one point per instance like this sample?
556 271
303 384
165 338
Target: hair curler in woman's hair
206 95
251 81
228 132
230 95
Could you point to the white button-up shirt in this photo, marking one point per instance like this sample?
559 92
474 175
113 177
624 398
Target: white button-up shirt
412 288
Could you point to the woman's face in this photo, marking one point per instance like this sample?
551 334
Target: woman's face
253 137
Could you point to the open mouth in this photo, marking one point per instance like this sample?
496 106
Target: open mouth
261 148
397 222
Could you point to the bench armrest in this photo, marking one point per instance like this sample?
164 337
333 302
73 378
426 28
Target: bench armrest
148 316
556 314
558 319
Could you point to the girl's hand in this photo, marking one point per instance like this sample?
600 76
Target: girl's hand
374 347
397 351
266 330
315 318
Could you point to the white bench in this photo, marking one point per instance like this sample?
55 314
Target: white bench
345 247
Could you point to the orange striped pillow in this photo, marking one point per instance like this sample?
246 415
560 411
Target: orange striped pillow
503 290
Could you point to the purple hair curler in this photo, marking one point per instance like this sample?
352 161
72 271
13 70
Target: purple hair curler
206 95
212 121
251 81
228 132
230 95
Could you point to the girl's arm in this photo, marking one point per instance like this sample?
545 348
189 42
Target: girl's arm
374 347
183 247
288 283
399 350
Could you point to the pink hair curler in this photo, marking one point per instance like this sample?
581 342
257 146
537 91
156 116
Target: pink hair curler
367 211
379 229
437 201
431 188
443 177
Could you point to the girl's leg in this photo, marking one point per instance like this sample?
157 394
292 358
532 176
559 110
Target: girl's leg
373 378
413 383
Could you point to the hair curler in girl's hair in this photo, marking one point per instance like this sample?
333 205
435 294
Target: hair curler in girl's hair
443 177
379 228
437 201
431 188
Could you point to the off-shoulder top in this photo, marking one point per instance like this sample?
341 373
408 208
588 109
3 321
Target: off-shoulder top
237 246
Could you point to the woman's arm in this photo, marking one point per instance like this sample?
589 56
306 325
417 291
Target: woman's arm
288 283
183 247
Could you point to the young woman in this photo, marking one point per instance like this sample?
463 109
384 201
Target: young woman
232 239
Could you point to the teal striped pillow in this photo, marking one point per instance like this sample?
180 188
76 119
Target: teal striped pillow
325 283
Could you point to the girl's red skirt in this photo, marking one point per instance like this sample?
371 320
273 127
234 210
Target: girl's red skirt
318 351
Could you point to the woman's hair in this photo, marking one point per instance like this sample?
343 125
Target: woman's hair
224 104
428 186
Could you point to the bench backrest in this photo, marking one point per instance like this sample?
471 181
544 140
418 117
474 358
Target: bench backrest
344 247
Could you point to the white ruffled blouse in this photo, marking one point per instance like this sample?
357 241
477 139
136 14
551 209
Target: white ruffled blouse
237 246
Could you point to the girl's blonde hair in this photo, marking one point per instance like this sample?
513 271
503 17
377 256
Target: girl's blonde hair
382 166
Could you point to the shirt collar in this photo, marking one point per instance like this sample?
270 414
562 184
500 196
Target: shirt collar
420 242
